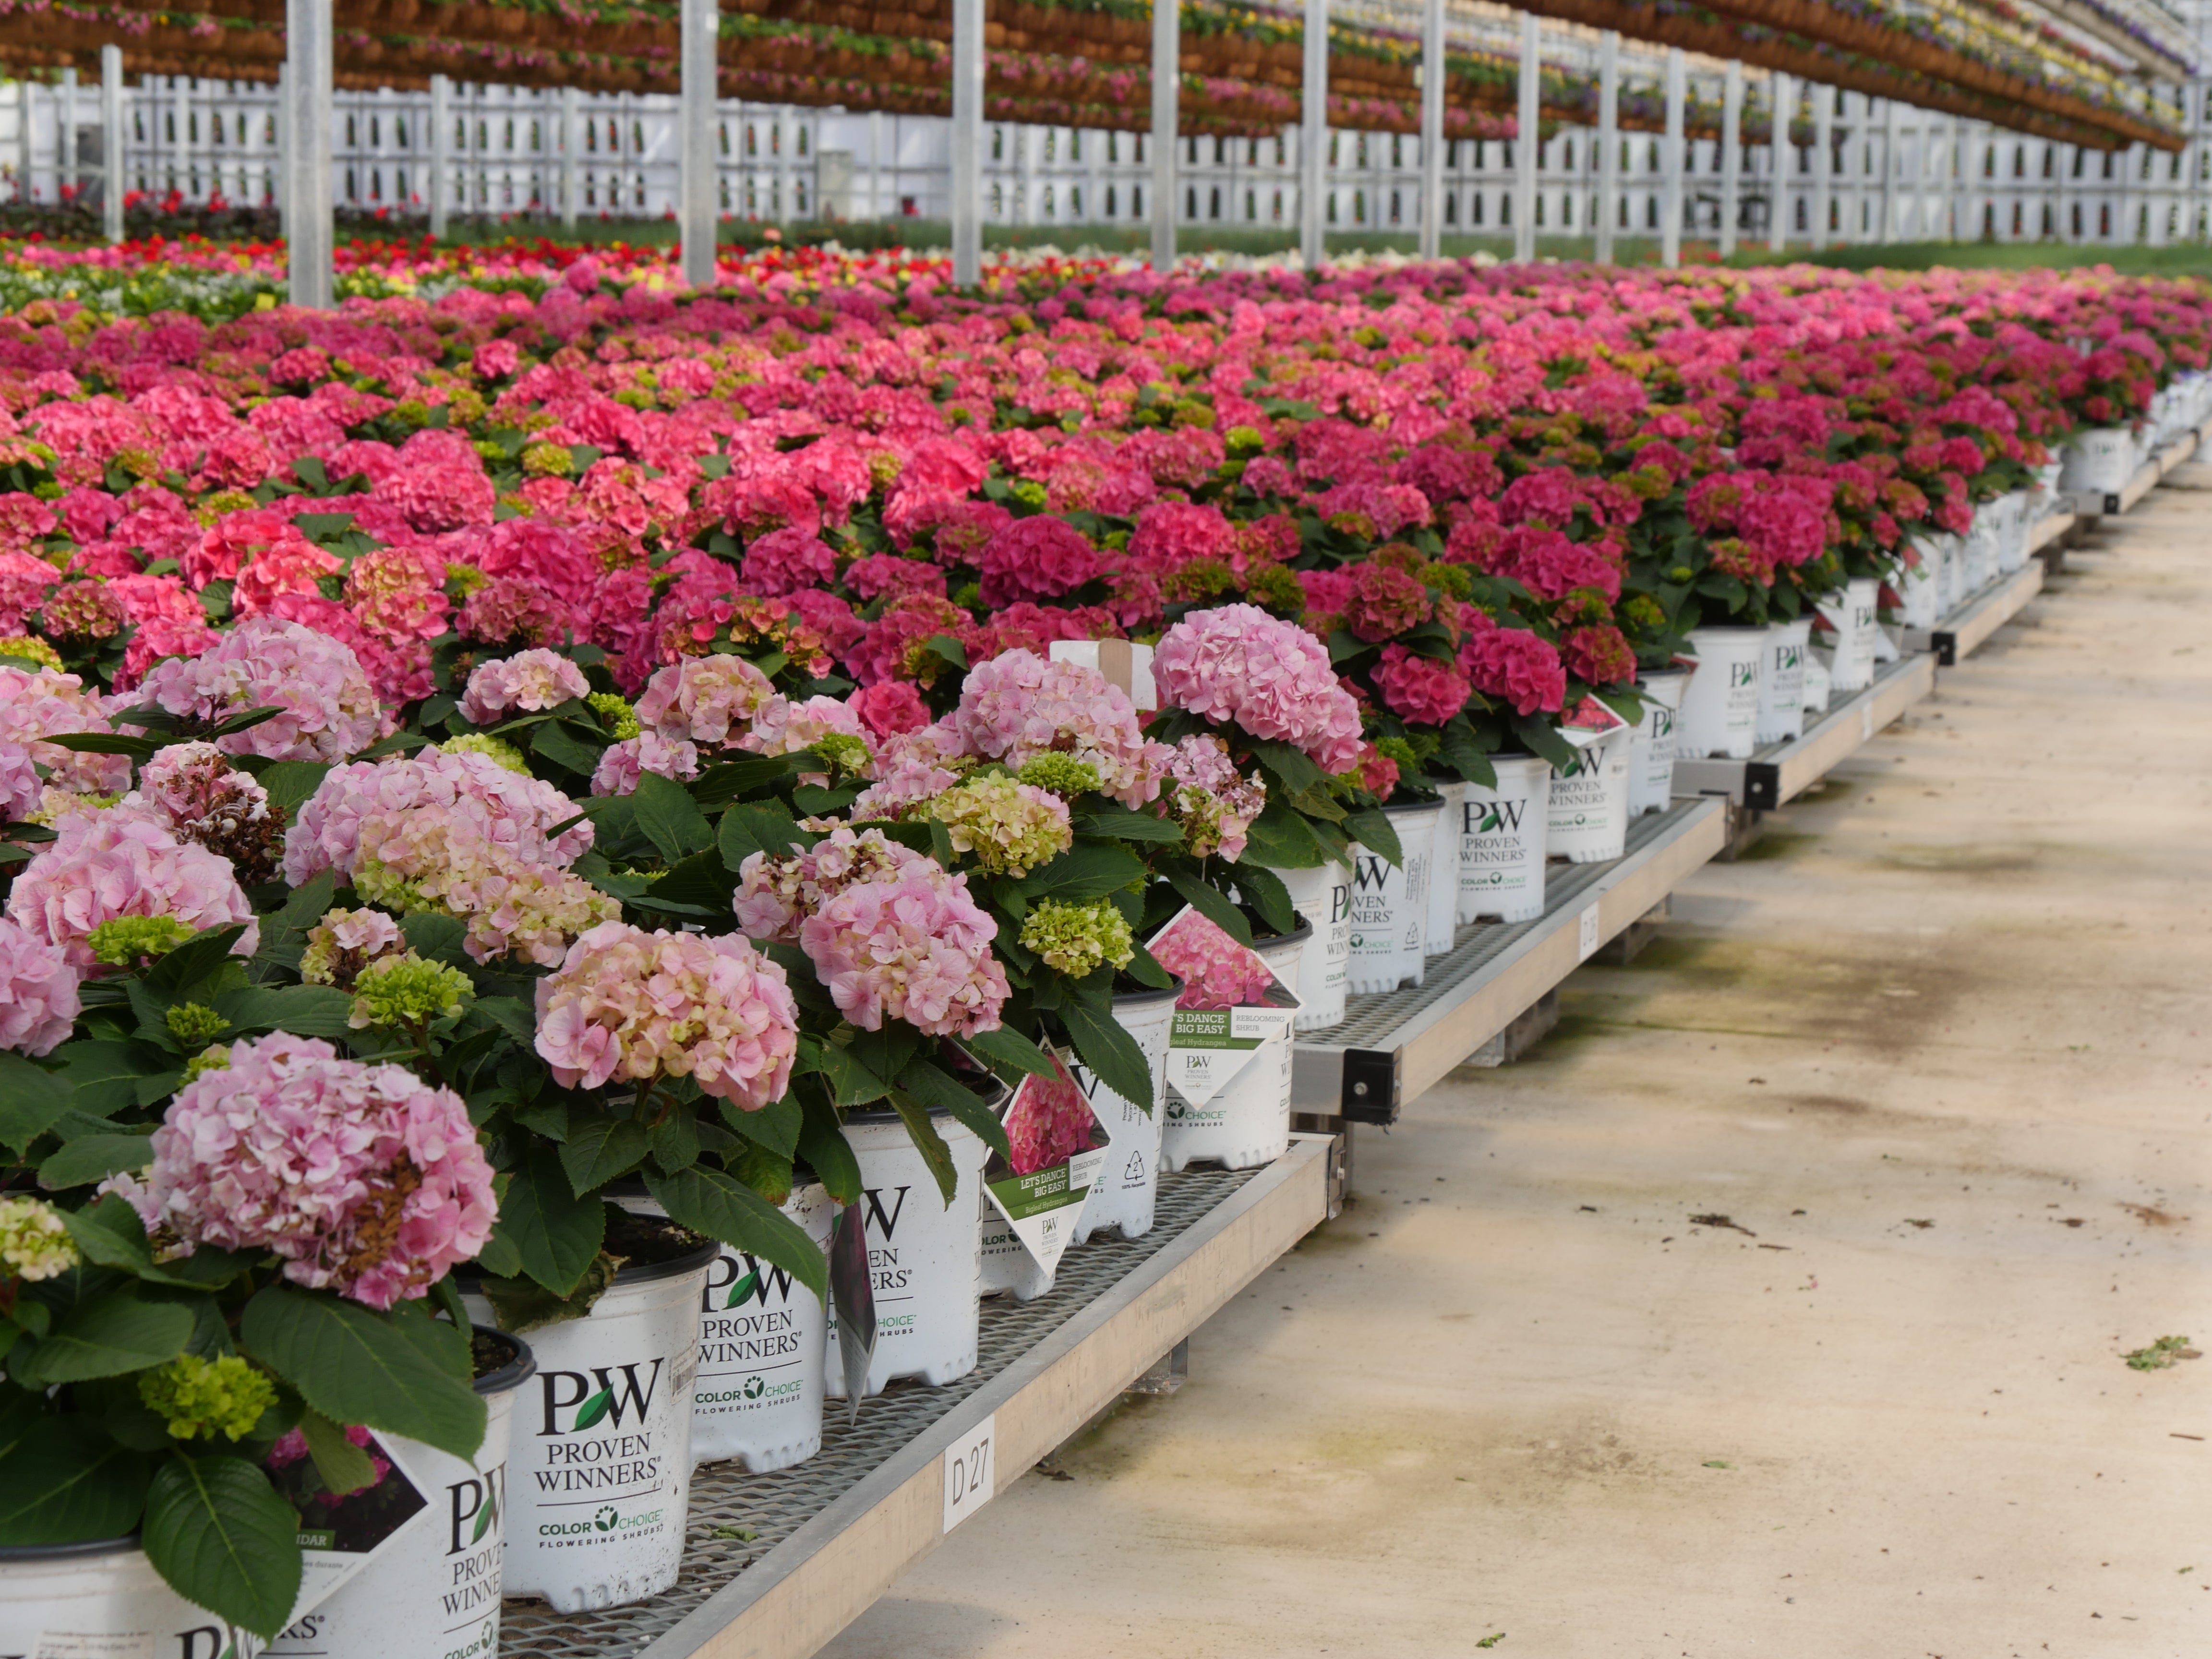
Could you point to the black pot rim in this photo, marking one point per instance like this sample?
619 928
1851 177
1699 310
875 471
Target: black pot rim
1413 805
689 1261
1297 935
12 1553
1145 995
513 1374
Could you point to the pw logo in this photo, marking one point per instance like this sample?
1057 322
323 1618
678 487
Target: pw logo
1485 817
473 1507
734 1281
619 1395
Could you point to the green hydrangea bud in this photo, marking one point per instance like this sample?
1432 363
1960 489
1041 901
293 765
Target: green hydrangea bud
407 990
216 1059
1275 590
547 461
1456 580
1076 938
1030 493
34 1242
498 750
1010 828
1060 774
841 748
194 1025
1244 442
123 941
201 1398
616 713
26 648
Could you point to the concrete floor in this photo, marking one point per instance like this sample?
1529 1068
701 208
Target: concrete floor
1936 1050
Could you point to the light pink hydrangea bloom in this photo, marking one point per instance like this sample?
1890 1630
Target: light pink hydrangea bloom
530 681
774 894
362 1177
35 704
1271 678
515 811
703 700
1213 802
104 865
1020 705
21 786
328 708
623 763
626 1006
441 858
782 725
38 991
904 784
912 947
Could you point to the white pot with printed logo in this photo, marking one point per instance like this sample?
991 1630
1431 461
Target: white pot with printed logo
1782 681
103 1599
1979 556
1651 751
1390 903
2010 510
1588 820
1501 844
1919 585
1322 899
1246 1122
599 1471
925 1256
435 1586
1444 872
1851 616
2099 461
762 1348
1720 707
1127 1186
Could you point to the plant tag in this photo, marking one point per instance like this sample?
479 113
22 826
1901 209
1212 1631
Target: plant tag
1586 946
1241 1004
1060 1145
971 1472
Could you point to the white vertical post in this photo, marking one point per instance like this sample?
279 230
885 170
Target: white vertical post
1608 144
1670 183
875 164
1965 224
65 175
1892 145
1313 137
23 133
441 136
111 142
1731 153
1527 138
1824 158
1432 129
1166 86
308 227
967 142
1781 156
695 133
570 141
2192 198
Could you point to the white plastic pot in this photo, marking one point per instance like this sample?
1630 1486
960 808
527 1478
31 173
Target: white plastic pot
105 1599
435 1587
1782 681
2099 461
1247 1123
1852 615
1720 709
1501 845
1950 575
1322 897
1979 553
1651 753
2010 513
1589 821
762 1349
1816 682
1123 1194
1444 872
1919 585
1390 903
924 1255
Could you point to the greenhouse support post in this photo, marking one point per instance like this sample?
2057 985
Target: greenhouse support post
1893 157
23 141
111 142
568 142
875 164
441 135
66 176
1528 139
283 157
1670 183
1824 160
308 231
1433 128
1313 137
1966 171
695 133
1731 153
1782 92
967 142
1166 86
1609 145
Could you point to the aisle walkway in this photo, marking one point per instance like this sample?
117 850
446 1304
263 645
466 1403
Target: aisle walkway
1939 1055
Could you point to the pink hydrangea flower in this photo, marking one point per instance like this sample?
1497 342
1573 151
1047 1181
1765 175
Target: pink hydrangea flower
1512 663
703 700
39 703
900 785
1020 705
1270 678
507 608
626 1006
104 865
39 1002
328 709
623 763
362 1177
1038 558
787 560
1420 688
911 947
889 707
515 811
776 894
532 682
1213 802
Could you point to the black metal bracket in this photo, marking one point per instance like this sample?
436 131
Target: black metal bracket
2112 504
1370 1086
1945 645
1762 785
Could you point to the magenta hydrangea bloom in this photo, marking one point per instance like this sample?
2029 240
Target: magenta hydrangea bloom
532 682
363 1178
1512 663
1270 678
100 866
327 708
629 1007
890 707
1420 688
1037 558
39 1002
